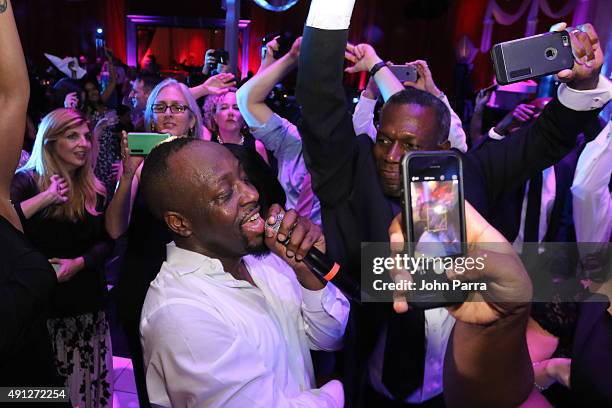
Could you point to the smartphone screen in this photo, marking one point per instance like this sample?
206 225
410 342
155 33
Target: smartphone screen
141 144
435 223
434 187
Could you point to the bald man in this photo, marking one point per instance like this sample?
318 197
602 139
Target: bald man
231 317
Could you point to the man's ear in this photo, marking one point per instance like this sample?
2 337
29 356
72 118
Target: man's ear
178 224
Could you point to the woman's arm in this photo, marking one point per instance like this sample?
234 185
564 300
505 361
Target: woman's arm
120 208
14 95
112 83
215 85
57 193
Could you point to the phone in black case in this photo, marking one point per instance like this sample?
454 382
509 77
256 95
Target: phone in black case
434 215
531 57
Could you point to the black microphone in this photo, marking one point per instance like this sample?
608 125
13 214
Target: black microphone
327 270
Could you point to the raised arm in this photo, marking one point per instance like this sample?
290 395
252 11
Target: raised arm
252 95
328 137
215 85
112 77
14 95
363 116
119 210
510 162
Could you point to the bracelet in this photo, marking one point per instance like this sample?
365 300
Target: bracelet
539 387
377 67
535 383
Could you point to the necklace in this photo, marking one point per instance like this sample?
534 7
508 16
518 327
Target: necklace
222 142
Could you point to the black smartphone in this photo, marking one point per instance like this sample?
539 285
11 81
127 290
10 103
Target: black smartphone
404 72
532 57
434 215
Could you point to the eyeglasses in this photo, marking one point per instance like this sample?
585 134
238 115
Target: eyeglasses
174 108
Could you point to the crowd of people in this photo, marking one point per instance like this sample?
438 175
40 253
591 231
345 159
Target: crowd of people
211 231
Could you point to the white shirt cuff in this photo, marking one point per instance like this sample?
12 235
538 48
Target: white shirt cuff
586 100
494 135
365 100
330 14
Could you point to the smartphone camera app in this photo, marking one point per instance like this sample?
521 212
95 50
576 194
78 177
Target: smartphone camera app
436 207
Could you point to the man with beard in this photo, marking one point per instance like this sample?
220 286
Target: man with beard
231 317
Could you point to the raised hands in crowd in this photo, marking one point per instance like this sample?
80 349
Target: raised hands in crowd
195 205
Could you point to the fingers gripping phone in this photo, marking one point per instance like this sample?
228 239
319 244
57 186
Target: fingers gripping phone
532 57
404 72
141 144
434 214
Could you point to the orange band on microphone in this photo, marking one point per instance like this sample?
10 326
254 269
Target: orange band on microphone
332 272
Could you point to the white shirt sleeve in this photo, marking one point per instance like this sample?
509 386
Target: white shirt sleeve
494 135
330 14
592 204
586 100
456 134
325 313
212 366
363 117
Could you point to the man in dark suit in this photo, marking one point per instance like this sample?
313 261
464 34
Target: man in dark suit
358 186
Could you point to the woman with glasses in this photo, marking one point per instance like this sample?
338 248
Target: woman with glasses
170 109
59 201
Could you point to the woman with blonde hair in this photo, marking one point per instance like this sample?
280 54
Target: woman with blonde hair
59 202
225 123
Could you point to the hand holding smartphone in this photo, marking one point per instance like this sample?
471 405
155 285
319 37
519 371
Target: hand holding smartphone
141 144
405 73
532 57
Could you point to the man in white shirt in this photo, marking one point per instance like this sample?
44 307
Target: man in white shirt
592 204
231 317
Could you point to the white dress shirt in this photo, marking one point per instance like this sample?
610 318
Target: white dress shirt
363 122
592 203
549 192
210 340
438 326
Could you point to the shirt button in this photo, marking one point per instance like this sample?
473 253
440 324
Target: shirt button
597 99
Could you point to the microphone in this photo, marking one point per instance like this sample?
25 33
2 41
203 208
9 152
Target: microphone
327 270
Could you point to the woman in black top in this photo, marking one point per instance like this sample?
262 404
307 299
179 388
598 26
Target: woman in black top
58 200
225 124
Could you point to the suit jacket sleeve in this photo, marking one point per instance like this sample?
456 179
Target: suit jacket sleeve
507 164
326 127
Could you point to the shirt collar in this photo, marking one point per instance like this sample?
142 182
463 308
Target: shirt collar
184 261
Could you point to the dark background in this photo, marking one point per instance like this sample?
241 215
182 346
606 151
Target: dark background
400 30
